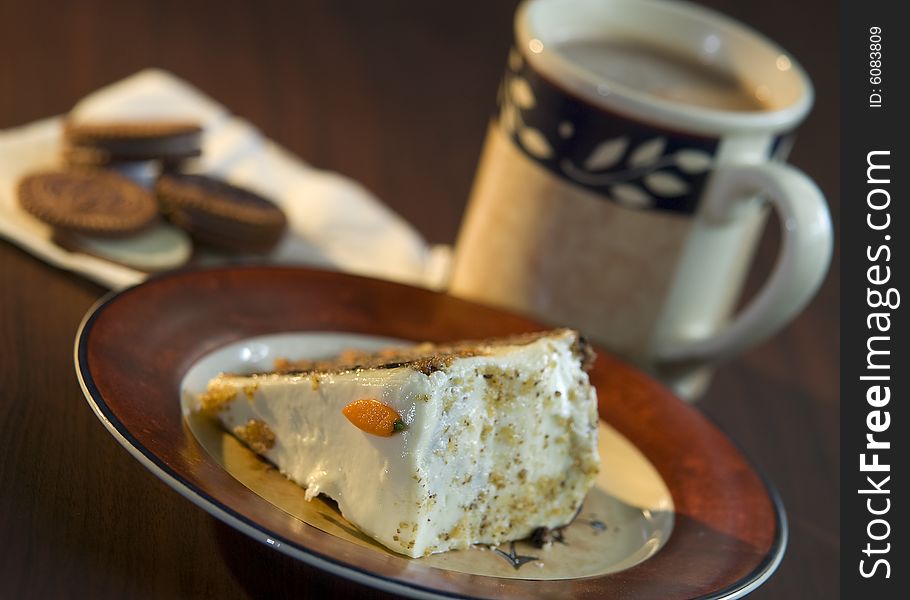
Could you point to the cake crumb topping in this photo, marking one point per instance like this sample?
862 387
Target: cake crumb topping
426 357
216 397
257 435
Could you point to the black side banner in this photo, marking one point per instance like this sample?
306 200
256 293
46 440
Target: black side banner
875 374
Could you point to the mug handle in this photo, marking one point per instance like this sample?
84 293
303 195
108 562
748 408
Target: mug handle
800 268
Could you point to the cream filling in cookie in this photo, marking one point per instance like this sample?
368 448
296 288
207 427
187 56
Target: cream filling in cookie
158 248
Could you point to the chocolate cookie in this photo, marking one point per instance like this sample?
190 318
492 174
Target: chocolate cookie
220 214
89 202
102 143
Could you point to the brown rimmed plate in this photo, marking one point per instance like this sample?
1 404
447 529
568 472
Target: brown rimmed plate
134 349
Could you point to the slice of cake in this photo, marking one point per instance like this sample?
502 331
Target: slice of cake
430 448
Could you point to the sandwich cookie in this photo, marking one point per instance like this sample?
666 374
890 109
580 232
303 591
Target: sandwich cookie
99 144
96 203
219 214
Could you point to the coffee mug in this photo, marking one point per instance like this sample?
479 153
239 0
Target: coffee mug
627 177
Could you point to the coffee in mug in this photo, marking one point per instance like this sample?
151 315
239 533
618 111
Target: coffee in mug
657 72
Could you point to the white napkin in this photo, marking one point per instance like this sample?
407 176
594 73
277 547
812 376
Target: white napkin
334 222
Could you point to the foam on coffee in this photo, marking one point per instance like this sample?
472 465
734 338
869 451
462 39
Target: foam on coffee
662 73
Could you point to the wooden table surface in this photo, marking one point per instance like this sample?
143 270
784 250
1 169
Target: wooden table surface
396 95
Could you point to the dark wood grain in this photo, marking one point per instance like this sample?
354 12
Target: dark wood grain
396 95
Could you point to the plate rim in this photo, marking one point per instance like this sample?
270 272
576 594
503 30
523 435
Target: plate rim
738 589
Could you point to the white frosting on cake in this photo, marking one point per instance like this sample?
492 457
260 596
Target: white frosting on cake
495 446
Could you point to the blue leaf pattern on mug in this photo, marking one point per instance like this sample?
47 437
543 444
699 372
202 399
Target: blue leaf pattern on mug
648 153
607 154
535 142
636 165
666 185
646 173
631 196
693 161
521 93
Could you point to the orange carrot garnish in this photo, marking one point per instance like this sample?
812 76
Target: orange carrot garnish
372 416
